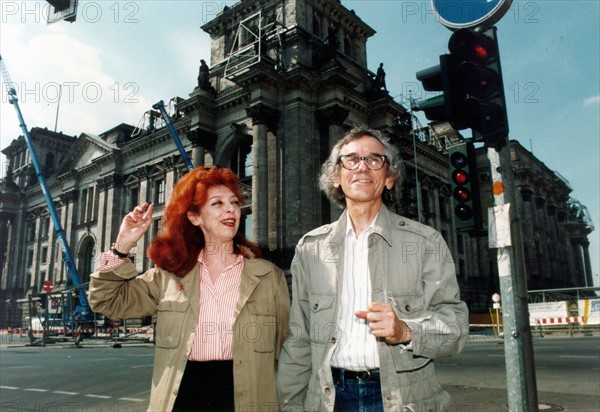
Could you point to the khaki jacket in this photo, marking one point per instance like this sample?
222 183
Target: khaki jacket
261 318
412 269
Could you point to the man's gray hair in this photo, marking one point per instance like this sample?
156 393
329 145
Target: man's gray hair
330 170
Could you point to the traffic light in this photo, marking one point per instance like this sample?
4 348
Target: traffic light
475 86
435 79
465 191
470 79
60 5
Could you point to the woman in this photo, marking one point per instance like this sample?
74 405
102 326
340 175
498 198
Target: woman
222 313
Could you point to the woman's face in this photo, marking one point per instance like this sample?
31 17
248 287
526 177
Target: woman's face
219 218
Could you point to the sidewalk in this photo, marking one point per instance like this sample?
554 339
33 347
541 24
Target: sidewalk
468 399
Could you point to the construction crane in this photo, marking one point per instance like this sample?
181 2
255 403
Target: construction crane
83 310
160 106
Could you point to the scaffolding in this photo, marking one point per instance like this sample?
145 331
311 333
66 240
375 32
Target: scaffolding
257 38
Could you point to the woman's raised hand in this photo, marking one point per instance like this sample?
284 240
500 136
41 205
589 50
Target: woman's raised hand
133 227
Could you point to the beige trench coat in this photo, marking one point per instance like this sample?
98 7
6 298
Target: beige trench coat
412 269
261 318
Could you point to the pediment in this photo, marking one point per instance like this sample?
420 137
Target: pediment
84 152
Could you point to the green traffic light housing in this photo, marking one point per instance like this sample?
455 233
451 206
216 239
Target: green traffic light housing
470 79
466 213
475 86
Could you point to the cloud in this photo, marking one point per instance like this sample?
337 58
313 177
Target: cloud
48 64
591 101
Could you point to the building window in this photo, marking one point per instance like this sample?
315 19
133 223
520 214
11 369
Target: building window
156 227
45 227
461 268
133 198
44 254
87 205
425 201
30 235
30 258
460 244
159 191
444 207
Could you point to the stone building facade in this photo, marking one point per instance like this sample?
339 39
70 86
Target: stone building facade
287 78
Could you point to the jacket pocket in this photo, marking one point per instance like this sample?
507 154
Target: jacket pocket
322 324
169 322
262 329
409 306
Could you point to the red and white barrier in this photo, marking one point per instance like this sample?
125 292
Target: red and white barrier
560 321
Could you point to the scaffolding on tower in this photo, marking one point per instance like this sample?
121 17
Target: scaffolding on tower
258 38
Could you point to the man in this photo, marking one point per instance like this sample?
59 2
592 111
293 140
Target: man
374 296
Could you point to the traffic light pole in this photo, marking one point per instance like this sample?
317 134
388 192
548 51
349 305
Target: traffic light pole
505 236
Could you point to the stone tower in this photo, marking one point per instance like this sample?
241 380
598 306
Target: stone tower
287 79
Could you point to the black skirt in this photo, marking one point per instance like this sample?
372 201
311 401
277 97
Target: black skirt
206 386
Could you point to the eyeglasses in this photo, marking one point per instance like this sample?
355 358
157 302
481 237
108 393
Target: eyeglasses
373 162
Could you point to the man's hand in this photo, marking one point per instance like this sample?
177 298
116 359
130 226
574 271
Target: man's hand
384 323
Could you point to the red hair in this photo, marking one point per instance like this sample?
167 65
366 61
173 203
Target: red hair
177 247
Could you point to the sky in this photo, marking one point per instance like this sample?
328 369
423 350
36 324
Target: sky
120 57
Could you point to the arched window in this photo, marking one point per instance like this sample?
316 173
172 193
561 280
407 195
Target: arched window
316 25
87 254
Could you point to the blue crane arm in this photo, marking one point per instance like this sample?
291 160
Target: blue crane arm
60 233
161 107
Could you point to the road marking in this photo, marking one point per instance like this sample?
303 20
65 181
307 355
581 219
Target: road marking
98 396
141 366
19 367
14 388
578 356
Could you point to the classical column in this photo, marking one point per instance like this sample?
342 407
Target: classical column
527 227
333 118
170 165
578 275
264 119
144 175
68 222
109 218
202 141
544 265
587 264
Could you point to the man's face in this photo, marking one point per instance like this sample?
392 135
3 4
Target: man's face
363 184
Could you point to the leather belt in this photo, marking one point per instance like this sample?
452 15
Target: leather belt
364 375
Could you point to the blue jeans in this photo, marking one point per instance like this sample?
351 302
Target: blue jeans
353 395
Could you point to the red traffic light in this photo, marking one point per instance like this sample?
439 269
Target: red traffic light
462 194
472 46
460 177
465 203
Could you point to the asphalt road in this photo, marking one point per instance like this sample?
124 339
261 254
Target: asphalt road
567 373
96 378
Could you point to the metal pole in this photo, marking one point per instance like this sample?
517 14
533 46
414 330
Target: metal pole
418 186
505 235
57 107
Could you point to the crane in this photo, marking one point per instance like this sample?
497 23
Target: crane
160 106
83 310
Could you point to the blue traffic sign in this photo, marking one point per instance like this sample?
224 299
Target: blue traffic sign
458 14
